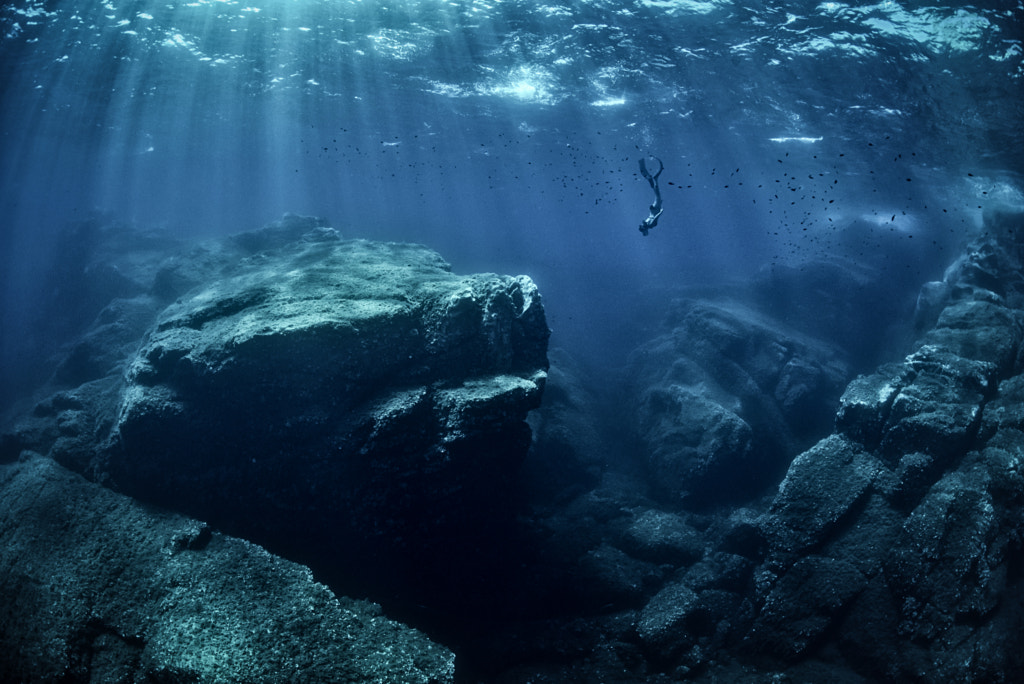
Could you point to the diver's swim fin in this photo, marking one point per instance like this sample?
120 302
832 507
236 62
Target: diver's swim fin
647 174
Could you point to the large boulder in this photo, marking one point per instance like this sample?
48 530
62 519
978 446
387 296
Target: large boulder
99 588
804 604
350 404
823 487
331 395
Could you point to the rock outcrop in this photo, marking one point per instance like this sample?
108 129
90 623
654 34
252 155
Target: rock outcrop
331 394
888 550
897 541
743 378
99 588
726 397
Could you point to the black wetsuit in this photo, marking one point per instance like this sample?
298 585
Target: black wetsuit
655 208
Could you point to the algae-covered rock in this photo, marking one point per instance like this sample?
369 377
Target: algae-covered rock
100 588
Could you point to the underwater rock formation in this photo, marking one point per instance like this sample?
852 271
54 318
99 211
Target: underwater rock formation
351 405
728 391
320 395
832 529
332 392
100 588
892 548
897 541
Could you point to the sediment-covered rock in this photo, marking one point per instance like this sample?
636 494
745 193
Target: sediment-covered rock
662 537
99 588
662 627
803 604
821 488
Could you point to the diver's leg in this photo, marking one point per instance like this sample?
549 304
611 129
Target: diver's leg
643 169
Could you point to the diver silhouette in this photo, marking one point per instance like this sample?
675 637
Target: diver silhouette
655 208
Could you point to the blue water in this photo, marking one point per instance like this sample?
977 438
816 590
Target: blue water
506 135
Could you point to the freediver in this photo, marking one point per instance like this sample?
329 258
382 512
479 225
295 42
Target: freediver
655 208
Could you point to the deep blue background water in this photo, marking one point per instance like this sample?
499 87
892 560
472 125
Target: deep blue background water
506 134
